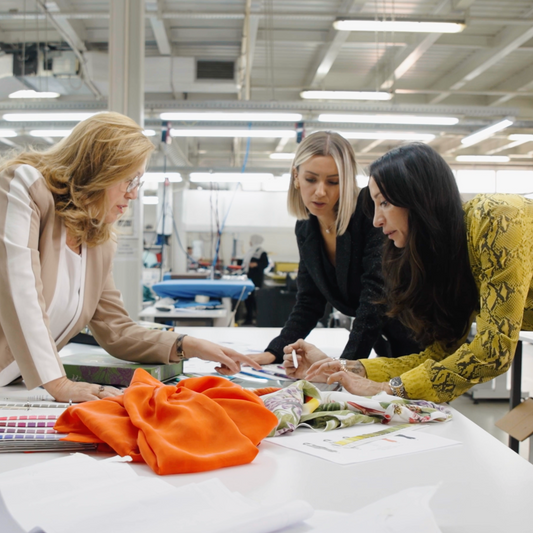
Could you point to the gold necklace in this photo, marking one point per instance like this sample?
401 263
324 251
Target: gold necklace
327 229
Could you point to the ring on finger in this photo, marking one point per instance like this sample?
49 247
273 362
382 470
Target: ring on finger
343 365
101 388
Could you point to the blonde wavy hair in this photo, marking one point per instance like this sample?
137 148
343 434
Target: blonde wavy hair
327 143
101 151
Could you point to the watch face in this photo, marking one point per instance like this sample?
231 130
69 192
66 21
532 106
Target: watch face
396 382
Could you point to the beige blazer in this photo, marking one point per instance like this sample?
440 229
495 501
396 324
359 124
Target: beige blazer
30 243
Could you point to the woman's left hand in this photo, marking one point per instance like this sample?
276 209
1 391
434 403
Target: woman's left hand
230 360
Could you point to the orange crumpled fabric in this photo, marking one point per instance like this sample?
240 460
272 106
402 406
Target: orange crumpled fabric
197 425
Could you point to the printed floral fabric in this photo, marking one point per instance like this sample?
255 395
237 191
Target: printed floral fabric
302 404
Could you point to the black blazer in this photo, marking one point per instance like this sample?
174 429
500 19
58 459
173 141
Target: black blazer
351 287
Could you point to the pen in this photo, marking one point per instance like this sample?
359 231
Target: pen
294 359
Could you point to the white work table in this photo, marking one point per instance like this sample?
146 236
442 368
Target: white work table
484 486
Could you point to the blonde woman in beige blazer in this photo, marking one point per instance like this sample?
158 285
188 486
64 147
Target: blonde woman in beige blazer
57 211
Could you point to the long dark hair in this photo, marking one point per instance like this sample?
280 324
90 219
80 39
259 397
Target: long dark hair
429 283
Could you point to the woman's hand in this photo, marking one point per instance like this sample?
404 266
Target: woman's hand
306 354
355 384
230 360
263 358
65 390
350 374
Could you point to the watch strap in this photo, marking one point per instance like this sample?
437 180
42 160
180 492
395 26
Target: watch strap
179 347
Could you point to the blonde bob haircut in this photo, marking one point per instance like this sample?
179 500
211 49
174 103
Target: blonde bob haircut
324 143
101 151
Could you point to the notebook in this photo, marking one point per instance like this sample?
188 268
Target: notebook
108 370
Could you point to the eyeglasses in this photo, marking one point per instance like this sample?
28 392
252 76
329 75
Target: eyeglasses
133 184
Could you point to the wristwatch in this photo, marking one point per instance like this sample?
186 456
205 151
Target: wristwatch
179 348
396 384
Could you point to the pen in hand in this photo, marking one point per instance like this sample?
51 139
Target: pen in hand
294 359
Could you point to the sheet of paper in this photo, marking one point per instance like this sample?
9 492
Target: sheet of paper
79 493
342 446
243 347
405 511
9 525
252 377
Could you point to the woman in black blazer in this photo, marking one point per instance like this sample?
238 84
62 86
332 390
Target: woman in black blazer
340 255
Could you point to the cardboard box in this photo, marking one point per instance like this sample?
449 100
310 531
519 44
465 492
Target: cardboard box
519 422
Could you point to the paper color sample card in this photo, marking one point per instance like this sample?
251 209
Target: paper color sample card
358 444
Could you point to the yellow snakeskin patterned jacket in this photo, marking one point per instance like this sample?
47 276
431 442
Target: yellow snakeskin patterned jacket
500 245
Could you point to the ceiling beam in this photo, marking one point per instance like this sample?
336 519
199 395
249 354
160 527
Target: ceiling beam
408 56
508 40
249 38
334 42
77 51
74 29
158 27
461 4
513 86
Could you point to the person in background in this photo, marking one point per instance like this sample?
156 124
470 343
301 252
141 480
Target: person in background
57 210
253 265
340 255
444 264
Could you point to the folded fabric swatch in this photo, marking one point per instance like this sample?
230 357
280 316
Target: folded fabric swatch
302 404
197 425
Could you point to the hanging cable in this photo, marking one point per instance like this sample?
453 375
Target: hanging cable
243 169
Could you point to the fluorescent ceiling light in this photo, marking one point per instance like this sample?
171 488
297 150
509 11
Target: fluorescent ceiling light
159 177
346 95
387 136
46 117
229 177
199 132
283 156
233 117
485 133
30 93
150 200
7 133
149 133
482 158
399 24
389 119
521 156
523 137
50 133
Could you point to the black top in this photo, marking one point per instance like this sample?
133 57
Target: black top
257 274
352 287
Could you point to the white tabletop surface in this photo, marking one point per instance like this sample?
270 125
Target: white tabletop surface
484 486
